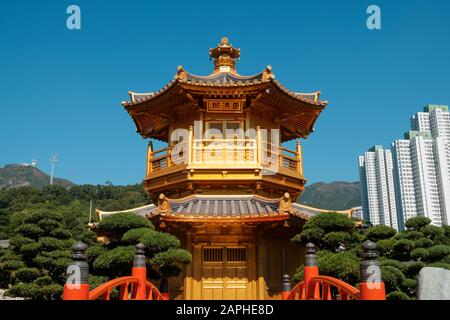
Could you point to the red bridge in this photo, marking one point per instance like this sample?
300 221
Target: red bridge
313 286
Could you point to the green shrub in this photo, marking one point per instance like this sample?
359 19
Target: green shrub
171 257
115 262
392 278
43 262
394 263
411 235
397 295
29 251
35 292
331 222
438 252
432 232
58 254
13 264
134 235
413 269
48 225
343 265
52 292
441 265
423 243
385 247
419 254
26 274
42 215
61 233
446 259
94 251
19 241
118 224
299 274
29 230
417 223
334 239
25 290
59 267
43 281
50 244
402 249
155 242
313 235
380 232
409 285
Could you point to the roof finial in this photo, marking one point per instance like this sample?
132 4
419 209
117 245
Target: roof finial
225 56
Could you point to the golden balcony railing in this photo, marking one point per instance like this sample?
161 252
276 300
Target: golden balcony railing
226 153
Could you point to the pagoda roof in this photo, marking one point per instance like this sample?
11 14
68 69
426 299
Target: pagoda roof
153 111
223 80
216 208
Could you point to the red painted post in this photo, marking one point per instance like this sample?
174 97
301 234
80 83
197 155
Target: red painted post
139 271
372 285
77 286
286 287
310 271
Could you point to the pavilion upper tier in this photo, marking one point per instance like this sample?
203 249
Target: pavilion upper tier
261 94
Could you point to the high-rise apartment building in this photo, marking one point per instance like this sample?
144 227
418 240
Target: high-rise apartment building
377 180
421 172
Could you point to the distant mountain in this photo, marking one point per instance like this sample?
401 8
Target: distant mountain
335 195
17 175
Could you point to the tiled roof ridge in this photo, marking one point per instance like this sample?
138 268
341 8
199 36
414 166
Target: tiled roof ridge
224 79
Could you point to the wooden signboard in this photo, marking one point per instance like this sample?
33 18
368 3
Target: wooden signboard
225 105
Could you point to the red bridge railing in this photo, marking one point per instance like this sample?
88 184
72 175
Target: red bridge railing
134 287
317 287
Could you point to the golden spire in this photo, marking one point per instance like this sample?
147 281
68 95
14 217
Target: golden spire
225 56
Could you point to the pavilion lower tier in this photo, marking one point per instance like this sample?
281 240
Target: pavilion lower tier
236 261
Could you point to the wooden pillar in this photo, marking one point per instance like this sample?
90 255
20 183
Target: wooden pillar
187 292
252 271
190 145
299 157
149 157
197 272
262 256
258 146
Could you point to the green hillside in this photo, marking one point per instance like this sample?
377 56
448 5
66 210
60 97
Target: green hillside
335 195
16 175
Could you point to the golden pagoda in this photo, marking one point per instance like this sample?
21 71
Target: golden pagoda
225 185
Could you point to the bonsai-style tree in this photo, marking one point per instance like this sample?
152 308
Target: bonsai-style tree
34 265
124 231
337 243
330 231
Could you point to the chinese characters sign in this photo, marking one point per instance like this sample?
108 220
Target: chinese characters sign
225 106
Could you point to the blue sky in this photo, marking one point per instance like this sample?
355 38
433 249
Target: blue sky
61 89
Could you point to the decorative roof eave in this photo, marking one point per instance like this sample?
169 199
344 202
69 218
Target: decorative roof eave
141 211
301 96
313 210
129 105
219 80
293 209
